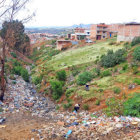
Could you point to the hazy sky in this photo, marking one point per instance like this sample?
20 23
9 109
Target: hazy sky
69 12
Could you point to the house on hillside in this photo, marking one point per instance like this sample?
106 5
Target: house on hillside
64 44
79 34
113 30
128 31
98 31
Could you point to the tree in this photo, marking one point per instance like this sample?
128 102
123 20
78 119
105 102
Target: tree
9 10
17 39
56 89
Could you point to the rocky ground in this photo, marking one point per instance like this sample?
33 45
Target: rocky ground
27 115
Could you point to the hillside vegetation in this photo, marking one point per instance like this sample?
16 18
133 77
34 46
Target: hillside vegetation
76 56
110 69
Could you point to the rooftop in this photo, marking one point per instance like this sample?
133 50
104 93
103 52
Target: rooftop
132 23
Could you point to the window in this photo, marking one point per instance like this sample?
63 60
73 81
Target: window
103 36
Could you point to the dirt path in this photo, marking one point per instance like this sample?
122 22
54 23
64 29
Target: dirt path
19 127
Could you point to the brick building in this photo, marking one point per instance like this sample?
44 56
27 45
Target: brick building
128 31
113 29
99 31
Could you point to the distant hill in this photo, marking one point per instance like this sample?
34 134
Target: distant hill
55 29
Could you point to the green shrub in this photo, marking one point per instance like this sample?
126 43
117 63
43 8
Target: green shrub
25 75
97 102
96 71
117 90
101 90
86 107
106 73
112 43
13 54
134 63
74 70
136 53
61 75
128 47
125 44
17 70
138 74
135 41
15 62
14 82
68 105
135 70
57 107
84 77
137 81
132 106
114 107
57 90
116 69
37 80
69 100
69 91
125 67
113 58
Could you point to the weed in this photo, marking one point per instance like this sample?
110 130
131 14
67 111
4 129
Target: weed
57 107
117 90
112 43
137 81
97 102
132 106
13 54
135 41
86 107
69 91
136 53
106 73
66 106
114 107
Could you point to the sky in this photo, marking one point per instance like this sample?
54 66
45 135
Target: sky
70 12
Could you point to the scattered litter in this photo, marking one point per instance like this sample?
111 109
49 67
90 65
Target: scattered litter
68 133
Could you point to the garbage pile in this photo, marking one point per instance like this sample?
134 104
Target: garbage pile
22 96
85 126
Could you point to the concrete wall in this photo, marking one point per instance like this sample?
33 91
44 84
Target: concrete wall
124 38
